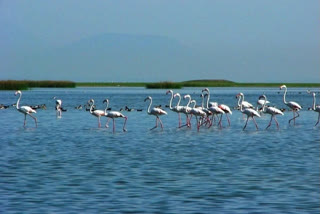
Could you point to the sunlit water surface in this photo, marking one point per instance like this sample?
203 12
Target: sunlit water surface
70 165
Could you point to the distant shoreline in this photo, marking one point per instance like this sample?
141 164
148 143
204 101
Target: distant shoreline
26 84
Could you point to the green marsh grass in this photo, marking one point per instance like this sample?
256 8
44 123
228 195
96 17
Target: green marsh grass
26 84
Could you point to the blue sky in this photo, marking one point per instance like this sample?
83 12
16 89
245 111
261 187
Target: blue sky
79 40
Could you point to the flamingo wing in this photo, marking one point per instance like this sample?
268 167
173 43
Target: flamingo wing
98 113
294 105
27 109
273 111
114 114
251 112
158 111
225 108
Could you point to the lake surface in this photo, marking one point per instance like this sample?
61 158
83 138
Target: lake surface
69 165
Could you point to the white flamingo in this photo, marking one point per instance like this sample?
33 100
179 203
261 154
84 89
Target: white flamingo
226 110
293 105
176 108
26 110
214 109
96 113
112 115
315 108
156 112
197 112
58 108
186 109
244 103
248 111
270 110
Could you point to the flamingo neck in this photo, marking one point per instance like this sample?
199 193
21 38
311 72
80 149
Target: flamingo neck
208 98
105 110
264 104
18 101
149 106
284 96
189 102
194 103
202 101
91 107
314 102
178 104
170 104
241 98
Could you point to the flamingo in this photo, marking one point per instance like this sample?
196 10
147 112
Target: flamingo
96 113
181 109
213 108
59 108
112 115
248 111
293 105
244 103
315 108
270 110
226 110
156 112
26 110
177 108
197 112
261 102
186 109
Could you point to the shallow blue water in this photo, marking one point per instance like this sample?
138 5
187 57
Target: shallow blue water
69 165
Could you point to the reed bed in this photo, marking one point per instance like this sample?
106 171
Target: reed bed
164 85
26 84
110 84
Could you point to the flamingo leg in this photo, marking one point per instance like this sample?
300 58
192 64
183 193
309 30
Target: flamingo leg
107 126
114 125
254 120
270 122
99 122
228 119
156 123
294 117
25 118
35 119
275 119
189 121
179 119
246 124
160 123
124 124
318 120
198 123
220 124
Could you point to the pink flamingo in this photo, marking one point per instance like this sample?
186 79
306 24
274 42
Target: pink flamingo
226 110
270 110
214 109
156 112
197 112
186 110
96 113
26 110
176 108
315 108
293 105
248 111
112 115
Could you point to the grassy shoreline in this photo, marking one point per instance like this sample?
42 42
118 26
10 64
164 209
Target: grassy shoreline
177 85
27 84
